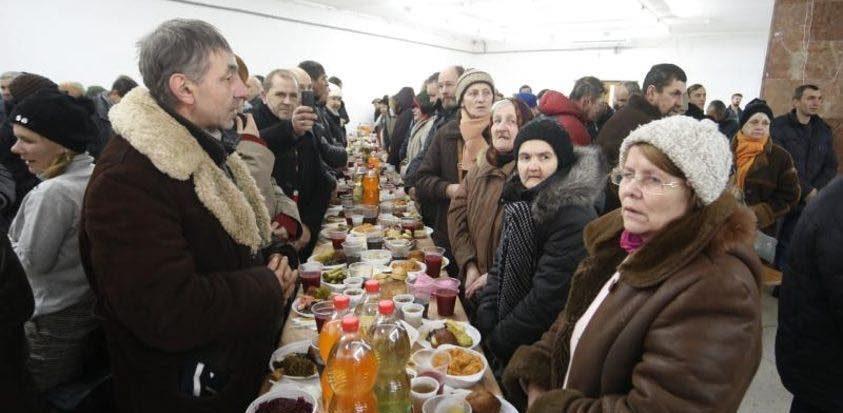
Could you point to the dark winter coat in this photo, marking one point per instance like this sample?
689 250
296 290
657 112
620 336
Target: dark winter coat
24 180
403 124
100 118
567 114
636 113
811 147
680 331
442 119
809 342
7 197
729 127
439 170
171 233
771 188
516 307
17 390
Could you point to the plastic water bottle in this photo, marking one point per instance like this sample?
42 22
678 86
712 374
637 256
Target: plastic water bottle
351 371
392 349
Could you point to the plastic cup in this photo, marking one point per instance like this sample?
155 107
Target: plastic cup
355 296
357 219
310 274
446 300
362 270
353 282
322 312
337 238
412 314
422 389
352 249
433 259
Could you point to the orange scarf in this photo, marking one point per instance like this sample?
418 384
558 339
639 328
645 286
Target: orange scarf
745 155
472 136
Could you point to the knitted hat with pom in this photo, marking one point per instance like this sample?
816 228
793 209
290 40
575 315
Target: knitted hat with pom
695 147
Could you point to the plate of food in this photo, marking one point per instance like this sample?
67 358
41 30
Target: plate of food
365 229
466 367
293 361
434 333
329 258
284 398
303 303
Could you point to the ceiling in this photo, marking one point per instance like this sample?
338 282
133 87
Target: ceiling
525 24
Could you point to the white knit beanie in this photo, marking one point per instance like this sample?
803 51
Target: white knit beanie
696 147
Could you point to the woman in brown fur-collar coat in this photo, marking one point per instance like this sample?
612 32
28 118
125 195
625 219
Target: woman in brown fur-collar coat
664 314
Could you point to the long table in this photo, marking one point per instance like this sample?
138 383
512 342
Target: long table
293 332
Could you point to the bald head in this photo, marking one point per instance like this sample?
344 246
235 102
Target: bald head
303 79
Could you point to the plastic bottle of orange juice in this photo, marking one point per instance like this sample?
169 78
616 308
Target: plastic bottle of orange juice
351 371
331 333
371 188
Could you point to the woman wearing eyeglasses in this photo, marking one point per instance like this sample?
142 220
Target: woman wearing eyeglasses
664 314
764 172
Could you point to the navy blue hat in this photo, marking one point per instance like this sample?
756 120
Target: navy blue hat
58 117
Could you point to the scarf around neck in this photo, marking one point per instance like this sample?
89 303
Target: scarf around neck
471 131
745 154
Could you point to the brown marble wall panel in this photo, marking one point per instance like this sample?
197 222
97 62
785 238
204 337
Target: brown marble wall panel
806 46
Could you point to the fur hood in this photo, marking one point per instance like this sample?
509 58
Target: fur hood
581 186
237 205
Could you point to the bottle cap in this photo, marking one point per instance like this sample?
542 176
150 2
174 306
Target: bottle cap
386 307
341 302
372 286
350 324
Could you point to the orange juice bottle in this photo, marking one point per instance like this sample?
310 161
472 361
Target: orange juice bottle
373 162
331 333
351 371
371 188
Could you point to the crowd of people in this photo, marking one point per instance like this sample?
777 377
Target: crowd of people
608 253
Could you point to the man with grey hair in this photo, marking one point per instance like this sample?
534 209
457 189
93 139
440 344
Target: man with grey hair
624 91
174 236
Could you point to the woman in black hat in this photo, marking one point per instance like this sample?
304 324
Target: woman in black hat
52 131
547 203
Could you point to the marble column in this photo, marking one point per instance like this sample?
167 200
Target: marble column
806 46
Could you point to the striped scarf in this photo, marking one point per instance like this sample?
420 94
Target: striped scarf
518 256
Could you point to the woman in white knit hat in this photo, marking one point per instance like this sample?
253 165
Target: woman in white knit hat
664 314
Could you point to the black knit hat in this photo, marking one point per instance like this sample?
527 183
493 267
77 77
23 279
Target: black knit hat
58 117
28 83
753 107
548 130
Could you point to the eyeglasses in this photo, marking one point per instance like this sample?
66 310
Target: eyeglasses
650 184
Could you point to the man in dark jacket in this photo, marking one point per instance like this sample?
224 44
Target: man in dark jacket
173 234
320 91
807 137
809 342
403 124
664 86
103 102
288 130
727 126
448 110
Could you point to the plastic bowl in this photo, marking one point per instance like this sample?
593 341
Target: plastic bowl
380 257
463 382
283 391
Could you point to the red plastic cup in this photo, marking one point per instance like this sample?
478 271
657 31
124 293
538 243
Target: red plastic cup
322 312
337 238
446 299
433 261
310 274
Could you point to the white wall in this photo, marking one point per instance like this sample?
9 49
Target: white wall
723 64
93 41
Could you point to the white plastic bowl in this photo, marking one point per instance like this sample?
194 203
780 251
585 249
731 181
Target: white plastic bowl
380 257
462 382
285 391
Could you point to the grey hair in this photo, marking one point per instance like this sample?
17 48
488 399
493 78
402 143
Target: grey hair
9 75
177 46
588 86
283 74
632 87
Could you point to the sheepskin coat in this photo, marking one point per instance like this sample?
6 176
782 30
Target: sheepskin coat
171 233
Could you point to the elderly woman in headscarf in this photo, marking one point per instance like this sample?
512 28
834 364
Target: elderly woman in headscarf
475 218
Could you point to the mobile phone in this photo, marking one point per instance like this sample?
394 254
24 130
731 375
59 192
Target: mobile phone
308 99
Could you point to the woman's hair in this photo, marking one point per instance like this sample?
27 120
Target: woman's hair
59 165
661 161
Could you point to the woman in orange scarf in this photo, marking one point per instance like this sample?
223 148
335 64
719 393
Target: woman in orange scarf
764 171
